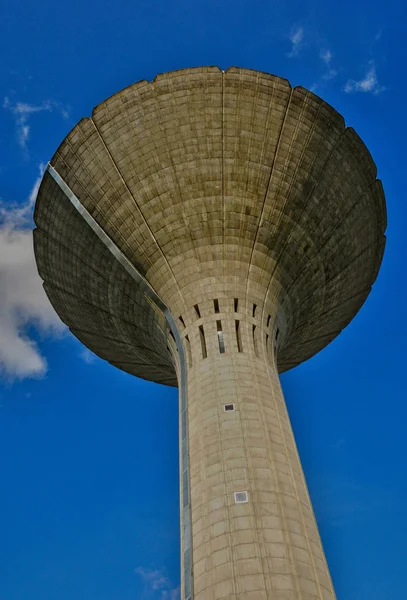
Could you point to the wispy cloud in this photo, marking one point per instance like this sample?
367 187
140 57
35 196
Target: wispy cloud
22 298
296 37
326 56
87 356
157 584
378 36
368 84
22 113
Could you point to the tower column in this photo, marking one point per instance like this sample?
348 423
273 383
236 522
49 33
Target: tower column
254 534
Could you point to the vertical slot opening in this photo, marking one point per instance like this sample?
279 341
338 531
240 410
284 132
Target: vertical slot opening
172 335
268 320
238 337
216 305
267 344
181 320
254 340
189 354
236 304
203 342
221 340
277 334
254 309
198 312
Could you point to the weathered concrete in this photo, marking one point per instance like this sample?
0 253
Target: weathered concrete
257 219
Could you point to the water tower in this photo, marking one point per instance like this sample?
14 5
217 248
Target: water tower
210 230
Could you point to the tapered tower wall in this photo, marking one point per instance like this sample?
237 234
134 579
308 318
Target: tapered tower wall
269 546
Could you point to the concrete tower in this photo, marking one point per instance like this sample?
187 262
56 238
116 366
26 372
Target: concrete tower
209 230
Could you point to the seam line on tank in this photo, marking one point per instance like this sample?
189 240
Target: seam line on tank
268 185
305 146
136 204
181 204
309 195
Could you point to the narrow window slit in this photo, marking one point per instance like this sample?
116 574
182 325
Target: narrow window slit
203 342
172 335
268 320
236 304
267 344
277 334
254 309
238 337
221 340
255 340
198 312
189 354
181 320
216 305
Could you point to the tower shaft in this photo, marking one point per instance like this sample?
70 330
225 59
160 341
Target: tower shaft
269 546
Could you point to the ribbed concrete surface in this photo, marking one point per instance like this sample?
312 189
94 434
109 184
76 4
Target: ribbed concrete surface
229 182
257 218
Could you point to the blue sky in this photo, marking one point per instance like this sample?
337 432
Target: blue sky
88 469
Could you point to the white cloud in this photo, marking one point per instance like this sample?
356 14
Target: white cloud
22 298
326 56
174 594
13 216
296 37
330 74
369 83
157 584
22 112
87 356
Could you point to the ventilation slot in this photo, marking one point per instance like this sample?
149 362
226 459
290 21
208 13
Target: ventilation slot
203 342
181 320
241 497
255 340
254 309
238 337
228 407
221 340
275 341
267 344
216 305
189 354
268 320
198 312
236 304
